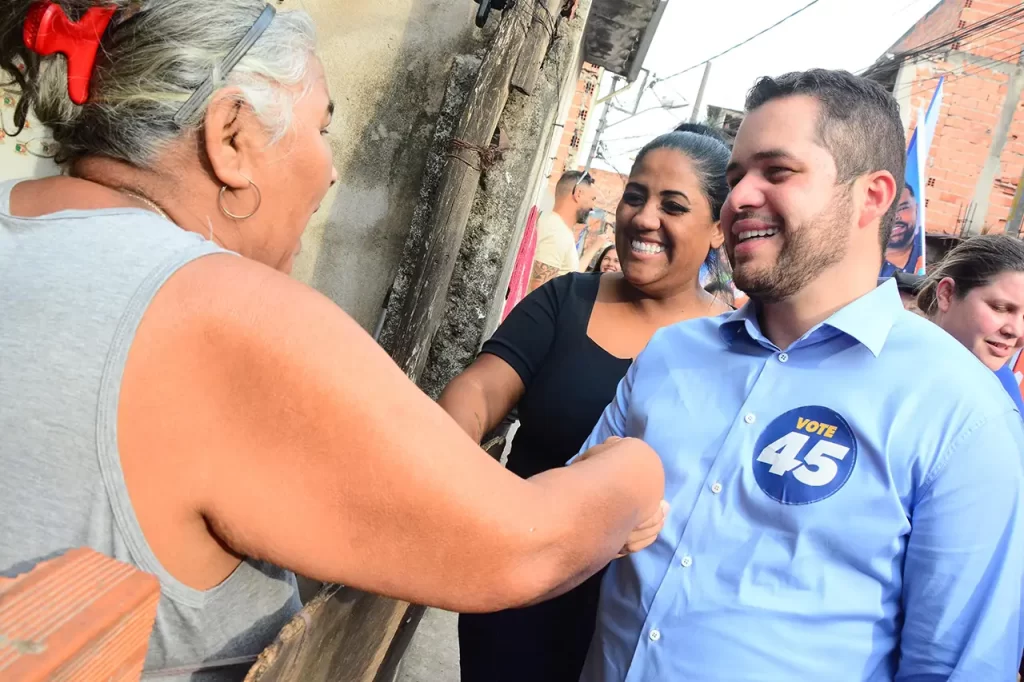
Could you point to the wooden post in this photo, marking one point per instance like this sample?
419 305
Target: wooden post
344 635
545 20
424 295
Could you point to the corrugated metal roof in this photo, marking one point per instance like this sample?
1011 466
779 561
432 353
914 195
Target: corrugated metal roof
619 33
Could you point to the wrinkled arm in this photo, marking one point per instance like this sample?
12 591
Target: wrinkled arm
965 561
304 445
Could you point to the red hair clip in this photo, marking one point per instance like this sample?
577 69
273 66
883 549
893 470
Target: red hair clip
48 30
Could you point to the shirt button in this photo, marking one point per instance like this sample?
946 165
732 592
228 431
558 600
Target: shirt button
783 357
655 635
716 487
749 418
687 561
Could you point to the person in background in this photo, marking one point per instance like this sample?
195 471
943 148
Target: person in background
559 356
722 291
701 129
909 286
903 252
556 239
606 261
977 295
841 510
171 398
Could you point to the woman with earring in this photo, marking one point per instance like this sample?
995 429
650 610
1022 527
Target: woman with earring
171 398
977 295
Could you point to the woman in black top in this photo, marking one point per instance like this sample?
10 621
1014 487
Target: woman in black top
560 355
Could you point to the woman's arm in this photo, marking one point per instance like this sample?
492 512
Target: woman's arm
480 397
254 405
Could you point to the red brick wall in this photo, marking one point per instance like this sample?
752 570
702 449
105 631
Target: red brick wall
575 123
968 116
941 20
1003 45
609 186
971 106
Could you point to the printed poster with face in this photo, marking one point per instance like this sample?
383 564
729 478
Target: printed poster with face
906 248
1017 365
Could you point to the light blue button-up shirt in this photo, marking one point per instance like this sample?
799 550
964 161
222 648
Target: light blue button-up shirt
847 510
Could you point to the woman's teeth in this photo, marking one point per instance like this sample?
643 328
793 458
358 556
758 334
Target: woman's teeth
646 247
751 234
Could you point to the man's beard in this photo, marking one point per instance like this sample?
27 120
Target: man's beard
581 216
905 240
806 252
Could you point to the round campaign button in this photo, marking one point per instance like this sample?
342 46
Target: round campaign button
805 455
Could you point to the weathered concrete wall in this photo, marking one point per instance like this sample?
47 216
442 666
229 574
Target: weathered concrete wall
387 64
508 189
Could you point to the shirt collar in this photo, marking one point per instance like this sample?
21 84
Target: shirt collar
868 320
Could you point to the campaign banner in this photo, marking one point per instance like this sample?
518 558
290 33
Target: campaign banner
906 248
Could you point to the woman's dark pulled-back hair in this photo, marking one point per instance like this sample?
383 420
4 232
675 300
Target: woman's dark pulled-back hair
709 157
704 147
971 264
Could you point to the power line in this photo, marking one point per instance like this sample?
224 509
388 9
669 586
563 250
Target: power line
604 158
967 70
982 28
905 7
740 44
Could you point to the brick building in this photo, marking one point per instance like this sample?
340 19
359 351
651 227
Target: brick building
609 185
976 159
601 226
566 156
726 120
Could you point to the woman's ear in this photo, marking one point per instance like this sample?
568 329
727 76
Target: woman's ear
944 293
717 236
230 132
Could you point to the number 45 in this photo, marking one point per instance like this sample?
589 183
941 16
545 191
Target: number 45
818 467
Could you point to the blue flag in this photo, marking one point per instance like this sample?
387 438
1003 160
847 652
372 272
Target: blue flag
906 248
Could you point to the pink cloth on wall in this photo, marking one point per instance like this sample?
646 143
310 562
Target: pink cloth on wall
519 283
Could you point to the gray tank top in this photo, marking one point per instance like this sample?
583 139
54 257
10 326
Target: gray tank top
73 288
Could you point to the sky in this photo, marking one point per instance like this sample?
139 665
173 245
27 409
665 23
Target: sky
846 34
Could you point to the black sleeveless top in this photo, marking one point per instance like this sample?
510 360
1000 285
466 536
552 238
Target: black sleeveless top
569 381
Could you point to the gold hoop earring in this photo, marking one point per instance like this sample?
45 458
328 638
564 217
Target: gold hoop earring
229 214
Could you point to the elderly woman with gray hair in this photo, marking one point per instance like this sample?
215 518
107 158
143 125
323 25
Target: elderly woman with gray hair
168 396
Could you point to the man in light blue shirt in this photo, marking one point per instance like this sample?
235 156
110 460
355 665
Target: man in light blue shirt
835 517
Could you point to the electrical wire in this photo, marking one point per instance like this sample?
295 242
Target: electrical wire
966 71
740 44
600 155
983 28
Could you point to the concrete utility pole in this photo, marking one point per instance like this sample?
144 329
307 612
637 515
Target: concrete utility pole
1013 223
601 125
700 93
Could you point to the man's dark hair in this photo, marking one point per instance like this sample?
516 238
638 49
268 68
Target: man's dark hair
859 124
570 180
701 129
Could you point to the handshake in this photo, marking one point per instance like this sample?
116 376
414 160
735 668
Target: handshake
644 470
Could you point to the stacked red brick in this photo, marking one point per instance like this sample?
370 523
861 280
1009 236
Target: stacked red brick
974 94
580 111
77 618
